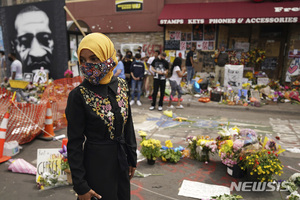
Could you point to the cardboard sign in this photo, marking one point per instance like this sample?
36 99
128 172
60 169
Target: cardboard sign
49 160
262 81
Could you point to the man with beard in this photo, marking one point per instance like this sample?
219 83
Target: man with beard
33 43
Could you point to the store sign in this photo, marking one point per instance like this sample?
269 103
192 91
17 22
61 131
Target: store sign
254 20
128 5
282 9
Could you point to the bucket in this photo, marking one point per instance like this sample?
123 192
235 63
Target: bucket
11 148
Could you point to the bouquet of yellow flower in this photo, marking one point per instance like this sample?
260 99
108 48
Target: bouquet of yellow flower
150 148
263 163
171 154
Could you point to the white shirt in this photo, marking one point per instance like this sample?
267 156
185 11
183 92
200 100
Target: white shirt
16 66
150 60
175 76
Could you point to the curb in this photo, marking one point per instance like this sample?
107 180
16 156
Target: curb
280 108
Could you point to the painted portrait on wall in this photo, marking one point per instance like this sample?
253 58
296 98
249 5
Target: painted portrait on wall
30 32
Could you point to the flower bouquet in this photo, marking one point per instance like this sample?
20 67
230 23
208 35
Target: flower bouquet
226 133
171 154
65 164
48 180
200 147
227 197
150 149
295 178
262 163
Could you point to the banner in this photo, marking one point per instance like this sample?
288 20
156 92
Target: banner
234 76
37 33
129 5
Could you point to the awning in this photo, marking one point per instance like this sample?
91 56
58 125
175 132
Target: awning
246 12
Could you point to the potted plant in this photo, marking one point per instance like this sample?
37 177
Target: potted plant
170 154
150 149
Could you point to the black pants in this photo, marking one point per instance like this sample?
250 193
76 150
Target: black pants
161 85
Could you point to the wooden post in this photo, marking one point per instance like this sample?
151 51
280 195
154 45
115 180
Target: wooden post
75 21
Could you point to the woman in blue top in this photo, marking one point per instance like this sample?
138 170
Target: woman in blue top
119 69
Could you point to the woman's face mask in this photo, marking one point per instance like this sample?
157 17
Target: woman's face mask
95 72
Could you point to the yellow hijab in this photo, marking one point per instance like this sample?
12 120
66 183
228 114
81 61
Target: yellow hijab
102 47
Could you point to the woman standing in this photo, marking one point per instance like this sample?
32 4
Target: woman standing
175 80
101 138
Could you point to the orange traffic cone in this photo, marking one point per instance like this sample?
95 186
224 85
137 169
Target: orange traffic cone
3 128
48 131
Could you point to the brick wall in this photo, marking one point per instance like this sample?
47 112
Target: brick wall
154 40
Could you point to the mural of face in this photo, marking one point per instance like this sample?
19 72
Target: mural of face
34 42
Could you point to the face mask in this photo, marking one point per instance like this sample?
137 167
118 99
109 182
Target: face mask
94 73
10 59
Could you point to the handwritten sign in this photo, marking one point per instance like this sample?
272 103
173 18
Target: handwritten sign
49 160
201 190
177 35
262 81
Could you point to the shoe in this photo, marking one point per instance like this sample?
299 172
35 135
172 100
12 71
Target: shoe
160 108
180 107
131 102
170 107
150 98
138 102
152 108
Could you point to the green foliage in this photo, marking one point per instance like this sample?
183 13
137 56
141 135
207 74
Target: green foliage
171 155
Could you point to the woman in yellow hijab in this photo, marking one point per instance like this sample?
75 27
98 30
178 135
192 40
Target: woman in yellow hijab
99 117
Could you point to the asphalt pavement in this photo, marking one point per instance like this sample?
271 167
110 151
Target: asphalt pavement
165 179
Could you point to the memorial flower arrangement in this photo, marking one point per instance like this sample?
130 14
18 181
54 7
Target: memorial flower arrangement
170 154
200 146
257 56
64 161
245 58
262 162
295 178
150 148
293 196
48 180
227 197
226 133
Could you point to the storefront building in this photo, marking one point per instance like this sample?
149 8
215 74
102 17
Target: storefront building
272 28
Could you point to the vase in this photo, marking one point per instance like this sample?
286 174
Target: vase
150 161
204 156
69 176
235 171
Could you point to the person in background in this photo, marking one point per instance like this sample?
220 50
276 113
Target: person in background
16 74
2 65
137 72
119 69
160 69
175 80
140 50
189 63
151 73
101 139
146 77
223 59
127 60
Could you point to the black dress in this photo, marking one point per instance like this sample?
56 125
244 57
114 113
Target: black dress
101 139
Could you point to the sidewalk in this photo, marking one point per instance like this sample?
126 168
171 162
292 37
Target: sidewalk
191 101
